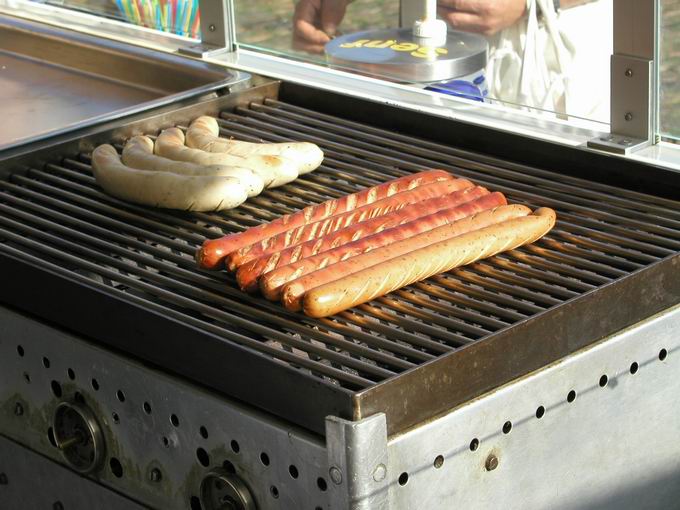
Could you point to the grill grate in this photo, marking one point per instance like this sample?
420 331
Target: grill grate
58 216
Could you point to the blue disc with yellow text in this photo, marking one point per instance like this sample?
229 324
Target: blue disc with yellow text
397 55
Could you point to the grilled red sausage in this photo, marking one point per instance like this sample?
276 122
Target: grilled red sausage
324 227
213 251
272 283
248 274
293 292
387 275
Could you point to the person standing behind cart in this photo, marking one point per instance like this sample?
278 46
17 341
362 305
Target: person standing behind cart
543 54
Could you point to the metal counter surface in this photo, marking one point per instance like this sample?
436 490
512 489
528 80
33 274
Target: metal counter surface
54 81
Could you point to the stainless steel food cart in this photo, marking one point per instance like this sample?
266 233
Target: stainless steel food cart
546 377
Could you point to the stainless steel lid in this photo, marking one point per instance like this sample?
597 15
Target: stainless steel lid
398 55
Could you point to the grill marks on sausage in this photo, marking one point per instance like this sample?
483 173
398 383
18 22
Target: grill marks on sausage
416 264
344 252
212 253
248 273
325 226
271 282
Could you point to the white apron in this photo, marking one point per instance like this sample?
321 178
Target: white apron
555 62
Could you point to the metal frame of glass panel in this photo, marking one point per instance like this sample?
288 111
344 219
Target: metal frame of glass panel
633 78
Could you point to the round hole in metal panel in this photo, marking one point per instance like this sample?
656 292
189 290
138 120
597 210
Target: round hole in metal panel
507 427
56 389
195 503
174 420
46 362
120 396
203 432
293 470
116 418
438 461
571 396
95 384
474 444
634 367
20 351
147 407
50 437
71 374
403 479
321 484
274 492
229 467
235 446
116 467
604 380
663 354
264 458
540 412
165 441
203 457
27 377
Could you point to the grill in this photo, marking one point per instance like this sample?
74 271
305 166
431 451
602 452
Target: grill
125 275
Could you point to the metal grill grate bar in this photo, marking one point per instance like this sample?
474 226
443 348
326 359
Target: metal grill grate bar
188 262
626 198
515 190
82 257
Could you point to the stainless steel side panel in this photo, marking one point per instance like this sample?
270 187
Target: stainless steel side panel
29 480
165 435
612 444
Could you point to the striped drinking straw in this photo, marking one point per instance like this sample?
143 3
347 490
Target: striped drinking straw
182 17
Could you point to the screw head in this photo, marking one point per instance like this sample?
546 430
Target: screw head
491 462
18 409
211 28
628 116
3 479
336 475
629 73
155 475
379 473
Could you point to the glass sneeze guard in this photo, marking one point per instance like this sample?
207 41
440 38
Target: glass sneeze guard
272 28
669 71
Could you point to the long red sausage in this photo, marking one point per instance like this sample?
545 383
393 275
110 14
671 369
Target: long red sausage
293 292
213 251
324 227
247 274
272 283
388 275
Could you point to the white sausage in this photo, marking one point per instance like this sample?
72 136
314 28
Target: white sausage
273 170
204 133
138 153
164 189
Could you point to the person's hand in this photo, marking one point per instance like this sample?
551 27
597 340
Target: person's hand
482 16
315 22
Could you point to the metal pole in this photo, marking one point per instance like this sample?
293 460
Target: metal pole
218 29
409 12
632 77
